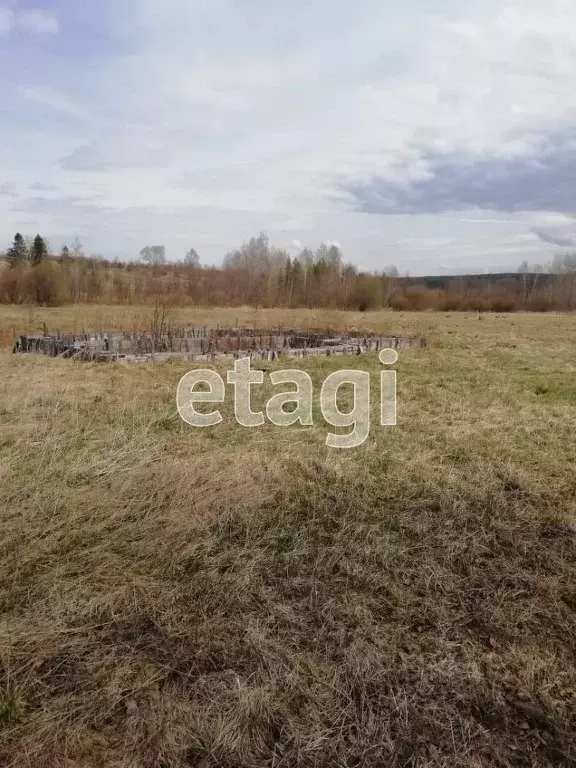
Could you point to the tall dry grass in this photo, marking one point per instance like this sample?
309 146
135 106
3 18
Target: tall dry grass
230 597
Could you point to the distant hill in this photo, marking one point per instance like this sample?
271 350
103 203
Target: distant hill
508 279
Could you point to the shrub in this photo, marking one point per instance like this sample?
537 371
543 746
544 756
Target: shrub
44 285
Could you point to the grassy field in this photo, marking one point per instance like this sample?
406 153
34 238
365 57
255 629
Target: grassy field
21 319
227 597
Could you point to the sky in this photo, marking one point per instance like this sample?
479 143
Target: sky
438 136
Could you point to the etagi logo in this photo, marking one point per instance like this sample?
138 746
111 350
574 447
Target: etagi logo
243 378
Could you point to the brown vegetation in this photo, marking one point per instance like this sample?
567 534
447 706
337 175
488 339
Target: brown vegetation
260 275
228 597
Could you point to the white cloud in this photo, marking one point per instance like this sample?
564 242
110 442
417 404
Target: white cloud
8 189
261 113
34 21
49 97
39 186
38 22
6 20
301 119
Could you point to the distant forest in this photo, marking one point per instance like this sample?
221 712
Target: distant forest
259 274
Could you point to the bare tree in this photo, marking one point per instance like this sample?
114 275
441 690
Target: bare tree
160 324
192 259
564 265
77 248
155 255
523 270
335 257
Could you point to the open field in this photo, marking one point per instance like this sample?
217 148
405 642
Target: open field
95 317
227 597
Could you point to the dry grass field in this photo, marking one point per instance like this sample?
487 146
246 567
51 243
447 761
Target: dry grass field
175 597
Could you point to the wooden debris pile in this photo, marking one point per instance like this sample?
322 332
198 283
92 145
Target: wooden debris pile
207 343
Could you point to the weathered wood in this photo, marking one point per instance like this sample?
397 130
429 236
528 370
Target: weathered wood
197 343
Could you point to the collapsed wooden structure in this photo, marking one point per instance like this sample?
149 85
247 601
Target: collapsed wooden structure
209 343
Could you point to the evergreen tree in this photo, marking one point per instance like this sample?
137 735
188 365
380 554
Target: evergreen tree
17 253
297 283
38 252
65 253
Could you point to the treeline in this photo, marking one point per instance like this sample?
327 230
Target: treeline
259 274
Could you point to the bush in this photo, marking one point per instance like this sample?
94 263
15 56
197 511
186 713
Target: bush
451 302
415 298
12 284
44 285
506 302
541 303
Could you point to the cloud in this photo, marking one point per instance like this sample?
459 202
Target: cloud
298 120
54 100
297 244
66 206
555 238
540 180
427 243
305 114
135 146
8 189
39 186
489 221
33 21
6 20
38 22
